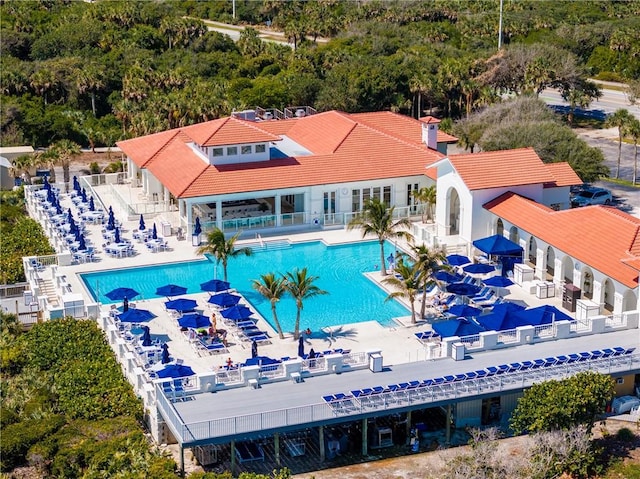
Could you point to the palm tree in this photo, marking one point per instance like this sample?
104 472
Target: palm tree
21 166
407 282
221 248
633 130
619 119
272 288
428 261
426 196
63 152
376 219
300 286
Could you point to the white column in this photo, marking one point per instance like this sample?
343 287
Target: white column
278 209
557 271
541 264
219 213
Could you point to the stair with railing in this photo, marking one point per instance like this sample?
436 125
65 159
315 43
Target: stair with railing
267 245
48 289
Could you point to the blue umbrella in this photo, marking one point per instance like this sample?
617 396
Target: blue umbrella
119 294
165 355
135 315
83 245
116 236
478 268
225 300
92 204
146 335
236 312
141 226
301 347
77 234
498 281
181 304
154 235
171 290
215 285
463 289
194 321
69 215
111 223
197 229
58 208
456 327
84 195
76 184
261 361
447 277
464 310
457 260
540 315
175 371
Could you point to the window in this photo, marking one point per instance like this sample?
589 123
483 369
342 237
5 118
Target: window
232 150
261 148
329 202
386 196
246 149
218 152
376 193
355 200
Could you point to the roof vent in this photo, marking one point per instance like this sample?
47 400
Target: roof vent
267 115
300 113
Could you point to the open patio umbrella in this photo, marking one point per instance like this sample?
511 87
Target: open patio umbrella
146 336
165 354
478 268
498 281
540 315
463 289
447 277
301 347
171 290
456 327
214 286
92 204
236 312
194 321
175 371
119 294
225 300
136 316
464 310
498 318
254 349
197 230
457 260
141 226
154 235
181 304
116 236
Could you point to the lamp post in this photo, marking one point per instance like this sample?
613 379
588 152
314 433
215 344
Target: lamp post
500 27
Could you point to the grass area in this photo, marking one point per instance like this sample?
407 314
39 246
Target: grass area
622 470
584 122
620 181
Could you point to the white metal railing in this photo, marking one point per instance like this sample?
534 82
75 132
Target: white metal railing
508 336
355 359
229 376
544 331
13 290
272 371
316 364
615 321
472 340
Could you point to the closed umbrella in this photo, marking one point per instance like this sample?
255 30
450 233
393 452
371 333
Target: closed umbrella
141 226
92 204
457 260
111 222
195 321
215 286
254 349
224 300
84 195
181 304
301 347
171 290
154 235
119 294
146 336
236 312
69 215
136 316
165 354
82 244
197 229
116 236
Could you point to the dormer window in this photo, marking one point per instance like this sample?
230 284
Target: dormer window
245 150
232 150
261 148
218 152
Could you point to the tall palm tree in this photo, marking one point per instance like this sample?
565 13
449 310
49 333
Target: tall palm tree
63 152
300 286
633 130
407 282
272 288
428 261
221 248
426 196
377 220
619 120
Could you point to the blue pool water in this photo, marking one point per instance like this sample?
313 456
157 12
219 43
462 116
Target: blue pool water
352 297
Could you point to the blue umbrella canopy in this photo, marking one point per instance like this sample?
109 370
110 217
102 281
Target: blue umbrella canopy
116 236
146 335
498 245
261 361
171 290
181 304
141 226
92 204
194 321
456 327
135 315
478 268
224 300
498 318
76 184
175 371
214 286
198 228
540 315
457 260
111 222
236 312
464 310
447 277
498 281
119 294
69 215
463 289
45 183
154 235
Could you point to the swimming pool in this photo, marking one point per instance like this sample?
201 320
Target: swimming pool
352 297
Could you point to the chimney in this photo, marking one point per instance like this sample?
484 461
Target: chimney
430 131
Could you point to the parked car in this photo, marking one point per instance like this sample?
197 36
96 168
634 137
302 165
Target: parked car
624 404
592 196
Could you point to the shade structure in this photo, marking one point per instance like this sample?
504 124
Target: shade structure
116 236
254 349
236 312
181 304
165 354
447 277
194 321
197 229
464 310
498 281
499 317
119 294
456 327
498 245
261 361
171 290
154 235
141 225
301 347
214 286
478 268
134 315
541 315
175 371
457 260
463 289
146 336
225 300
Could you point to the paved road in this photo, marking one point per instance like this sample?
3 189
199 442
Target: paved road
611 101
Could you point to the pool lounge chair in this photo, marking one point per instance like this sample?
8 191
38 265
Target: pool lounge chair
249 451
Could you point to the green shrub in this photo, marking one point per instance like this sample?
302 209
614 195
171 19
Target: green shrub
625 435
94 168
7 416
17 438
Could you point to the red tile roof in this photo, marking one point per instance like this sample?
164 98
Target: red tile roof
603 237
400 126
563 174
499 169
344 149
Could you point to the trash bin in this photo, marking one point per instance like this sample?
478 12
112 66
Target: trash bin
375 362
166 228
457 351
195 240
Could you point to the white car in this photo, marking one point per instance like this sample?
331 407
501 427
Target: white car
624 404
